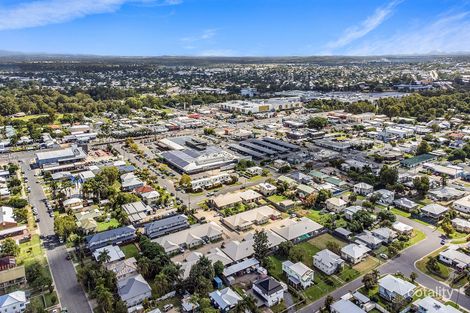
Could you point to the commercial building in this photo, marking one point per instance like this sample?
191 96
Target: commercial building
261 106
68 155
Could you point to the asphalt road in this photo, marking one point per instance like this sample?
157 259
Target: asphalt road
405 264
71 294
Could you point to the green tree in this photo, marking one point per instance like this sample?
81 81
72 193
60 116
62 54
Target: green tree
317 122
218 268
388 176
9 248
185 181
413 276
64 225
333 246
261 246
421 184
423 148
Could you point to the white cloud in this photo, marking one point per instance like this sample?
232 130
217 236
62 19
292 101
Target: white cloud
44 12
448 33
366 26
205 35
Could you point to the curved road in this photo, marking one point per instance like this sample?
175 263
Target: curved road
405 264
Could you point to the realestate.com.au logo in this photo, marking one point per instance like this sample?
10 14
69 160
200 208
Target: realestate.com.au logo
441 292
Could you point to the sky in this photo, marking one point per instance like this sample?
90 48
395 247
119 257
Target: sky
235 27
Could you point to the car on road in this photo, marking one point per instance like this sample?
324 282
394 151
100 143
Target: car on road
443 241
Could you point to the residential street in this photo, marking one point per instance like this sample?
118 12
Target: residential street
70 293
405 264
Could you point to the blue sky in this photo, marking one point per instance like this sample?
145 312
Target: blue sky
235 27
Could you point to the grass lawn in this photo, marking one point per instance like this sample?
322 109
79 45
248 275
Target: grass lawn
307 250
415 238
321 241
255 178
367 265
455 235
323 285
348 274
318 217
30 250
130 250
276 268
400 212
445 272
102 226
277 198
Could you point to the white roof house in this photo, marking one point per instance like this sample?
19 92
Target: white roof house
134 290
13 302
345 306
391 286
354 252
434 210
245 219
239 250
335 204
327 261
462 204
455 258
298 273
214 255
297 230
114 252
461 225
225 299
190 237
431 305
402 227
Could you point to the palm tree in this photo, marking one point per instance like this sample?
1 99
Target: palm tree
104 257
144 266
104 298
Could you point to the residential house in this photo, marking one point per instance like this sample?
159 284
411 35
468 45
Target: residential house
304 191
210 182
214 255
462 205
240 250
391 287
134 290
166 226
231 199
402 228
350 211
244 220
368 239
137 212
73 204
269 290
149 195
302 178
13 302
130 182
405 204
363 189
267 189
354 253
123 268
327 261
385 197
7 217
110 237
461 225
289 181
298 274
114 253
345 306
343 233
189 238
298 230
385 234
254 170
434 211
455 258
224 299
335 204
445 194
11 275
431 305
